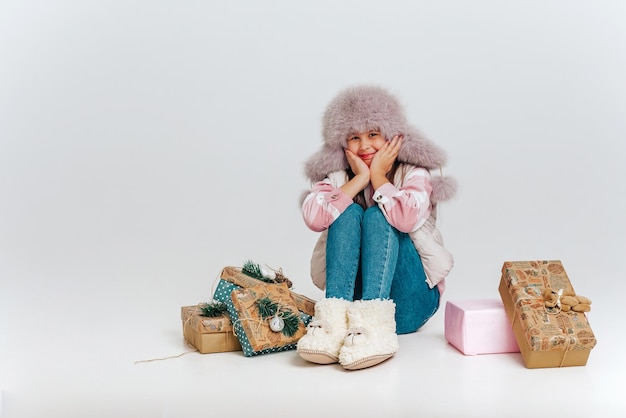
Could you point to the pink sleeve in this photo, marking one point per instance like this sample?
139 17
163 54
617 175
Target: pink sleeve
323 205
406 208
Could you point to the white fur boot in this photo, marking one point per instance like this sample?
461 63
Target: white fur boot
325 333
371 337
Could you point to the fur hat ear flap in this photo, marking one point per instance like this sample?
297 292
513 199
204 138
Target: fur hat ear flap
325 161
444 188
422 152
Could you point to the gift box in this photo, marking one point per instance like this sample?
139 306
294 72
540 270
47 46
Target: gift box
479 327
253 334
269 330
546 337
208 335
236 276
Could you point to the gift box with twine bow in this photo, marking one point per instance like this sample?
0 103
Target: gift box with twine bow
252 329
547 337
208 335
236 276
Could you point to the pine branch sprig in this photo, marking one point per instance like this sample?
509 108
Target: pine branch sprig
267 307
291 324
213 309
255 271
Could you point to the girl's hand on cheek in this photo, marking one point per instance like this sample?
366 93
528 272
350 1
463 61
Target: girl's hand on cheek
361 175
357 165
386 155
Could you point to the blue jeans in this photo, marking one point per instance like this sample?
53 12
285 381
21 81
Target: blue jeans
367 258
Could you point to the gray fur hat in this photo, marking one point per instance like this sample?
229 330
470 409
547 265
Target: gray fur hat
360 109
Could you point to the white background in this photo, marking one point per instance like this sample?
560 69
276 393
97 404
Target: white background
144 145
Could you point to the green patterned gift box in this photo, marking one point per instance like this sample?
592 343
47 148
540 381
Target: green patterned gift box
248 327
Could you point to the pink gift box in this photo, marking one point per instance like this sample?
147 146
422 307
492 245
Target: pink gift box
479 327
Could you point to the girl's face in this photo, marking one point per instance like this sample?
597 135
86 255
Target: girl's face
366 144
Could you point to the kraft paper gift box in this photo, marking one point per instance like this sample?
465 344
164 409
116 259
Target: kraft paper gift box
546 338
236 276
208 335
258 334
479 326
248 329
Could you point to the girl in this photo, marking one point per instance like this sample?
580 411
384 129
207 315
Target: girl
380 258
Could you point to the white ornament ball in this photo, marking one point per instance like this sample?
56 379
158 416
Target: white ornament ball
277 324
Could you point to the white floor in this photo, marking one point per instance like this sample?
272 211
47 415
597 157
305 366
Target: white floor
59 361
